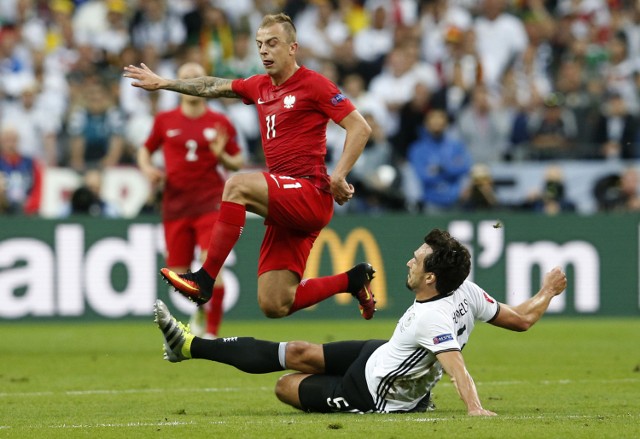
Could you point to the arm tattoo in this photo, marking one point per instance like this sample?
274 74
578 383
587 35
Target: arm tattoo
206 87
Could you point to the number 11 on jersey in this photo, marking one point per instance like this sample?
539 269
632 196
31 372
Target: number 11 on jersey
271 126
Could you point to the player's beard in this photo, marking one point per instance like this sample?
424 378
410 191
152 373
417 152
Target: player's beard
408 283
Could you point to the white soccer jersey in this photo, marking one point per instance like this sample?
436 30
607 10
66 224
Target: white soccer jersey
403 370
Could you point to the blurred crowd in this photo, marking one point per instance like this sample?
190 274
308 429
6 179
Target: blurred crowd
449 87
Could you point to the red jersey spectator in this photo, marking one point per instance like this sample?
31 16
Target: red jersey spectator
194 141
296 195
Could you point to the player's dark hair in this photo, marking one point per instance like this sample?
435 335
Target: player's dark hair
285 21
450 261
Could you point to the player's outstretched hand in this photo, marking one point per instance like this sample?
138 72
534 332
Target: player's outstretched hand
144 77
341 190
482 412
555 281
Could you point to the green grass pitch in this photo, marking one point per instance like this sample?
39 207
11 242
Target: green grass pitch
565 378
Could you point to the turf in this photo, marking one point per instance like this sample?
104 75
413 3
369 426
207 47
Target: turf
565 378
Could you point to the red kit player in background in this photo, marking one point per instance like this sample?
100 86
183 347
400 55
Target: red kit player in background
194 141
296 195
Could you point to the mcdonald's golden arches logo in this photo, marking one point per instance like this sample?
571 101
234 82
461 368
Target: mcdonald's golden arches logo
343 257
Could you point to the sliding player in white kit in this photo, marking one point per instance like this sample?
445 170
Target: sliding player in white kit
381 376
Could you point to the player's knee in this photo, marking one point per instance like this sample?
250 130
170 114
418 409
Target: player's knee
298 350
235 189
281 388
287 390
275 304
273 308
274 311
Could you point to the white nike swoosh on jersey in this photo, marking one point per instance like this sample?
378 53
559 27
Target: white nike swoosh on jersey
173 133
260 101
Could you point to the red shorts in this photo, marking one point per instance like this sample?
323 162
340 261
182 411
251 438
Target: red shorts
181 236
298 211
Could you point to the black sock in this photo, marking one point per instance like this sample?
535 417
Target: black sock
357 277
245 353
205 281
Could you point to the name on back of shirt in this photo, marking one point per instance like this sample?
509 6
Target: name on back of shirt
461 309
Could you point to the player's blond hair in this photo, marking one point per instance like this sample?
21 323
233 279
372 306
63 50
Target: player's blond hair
285 21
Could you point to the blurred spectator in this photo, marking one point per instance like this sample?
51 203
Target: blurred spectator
8 11
411 120
571 82
531 68
264 7
153 25
115 36
618 192
87 199
239 11
552 130
438 19
479 195
245 61
133 100
585 26
87 67
501 40
354 15
376 181
320 29
89 19
215 40
15 61
461 71
60 39
540 27
396 83
590 16
440 162
52 87
552 199
32 28
619 70
353 86
404 13
21 175
616 131
192 21
373 42
96 131
37 124
484 129
630 16
348 63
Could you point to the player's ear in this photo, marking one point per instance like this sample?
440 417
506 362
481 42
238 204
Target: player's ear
293 48
430 278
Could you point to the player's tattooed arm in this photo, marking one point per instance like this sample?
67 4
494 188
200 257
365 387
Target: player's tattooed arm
206 87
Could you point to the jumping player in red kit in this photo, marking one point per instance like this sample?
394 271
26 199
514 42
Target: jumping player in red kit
194 141
296 195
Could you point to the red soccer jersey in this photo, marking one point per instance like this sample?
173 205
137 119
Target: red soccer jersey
194 185
293 121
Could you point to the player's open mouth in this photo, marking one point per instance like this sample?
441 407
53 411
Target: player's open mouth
267 63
